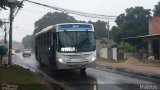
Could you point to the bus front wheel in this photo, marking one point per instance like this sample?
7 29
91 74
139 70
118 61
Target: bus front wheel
83 69
40 62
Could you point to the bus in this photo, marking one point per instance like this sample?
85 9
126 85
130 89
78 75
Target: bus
66 46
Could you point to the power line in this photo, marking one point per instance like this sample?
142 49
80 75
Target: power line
75 12
27 10
45 1
16 11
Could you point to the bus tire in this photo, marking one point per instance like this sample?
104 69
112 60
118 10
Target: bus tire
83 69
40 62
36 54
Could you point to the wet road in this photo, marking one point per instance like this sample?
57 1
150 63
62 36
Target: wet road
93 79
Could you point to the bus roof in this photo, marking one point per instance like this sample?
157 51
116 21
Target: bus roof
68 26
45 30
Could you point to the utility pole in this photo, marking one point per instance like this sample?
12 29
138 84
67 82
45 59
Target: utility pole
108 43
5 35
11 3
5 32
4 22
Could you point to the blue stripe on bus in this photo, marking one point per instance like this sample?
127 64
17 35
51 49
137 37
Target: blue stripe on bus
75 27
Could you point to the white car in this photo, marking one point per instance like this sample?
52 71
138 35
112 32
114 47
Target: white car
13 52
27 52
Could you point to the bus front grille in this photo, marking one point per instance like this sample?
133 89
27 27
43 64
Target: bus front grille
76 56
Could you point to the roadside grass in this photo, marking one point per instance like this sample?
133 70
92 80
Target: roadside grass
23 78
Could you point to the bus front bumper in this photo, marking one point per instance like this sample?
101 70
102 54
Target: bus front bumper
76 65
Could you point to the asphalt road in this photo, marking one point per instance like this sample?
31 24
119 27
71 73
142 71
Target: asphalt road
93 79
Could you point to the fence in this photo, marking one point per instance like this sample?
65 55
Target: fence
112 53
108 53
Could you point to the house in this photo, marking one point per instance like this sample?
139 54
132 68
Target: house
148 44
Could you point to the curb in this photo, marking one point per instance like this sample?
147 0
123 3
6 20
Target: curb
131 71
55 84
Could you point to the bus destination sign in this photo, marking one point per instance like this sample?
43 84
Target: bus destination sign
75 27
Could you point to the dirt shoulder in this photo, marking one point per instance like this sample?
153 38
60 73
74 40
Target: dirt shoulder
148 66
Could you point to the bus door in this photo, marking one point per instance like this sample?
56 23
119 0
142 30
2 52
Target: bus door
52 53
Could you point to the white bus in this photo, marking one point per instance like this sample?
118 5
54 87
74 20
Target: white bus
66 46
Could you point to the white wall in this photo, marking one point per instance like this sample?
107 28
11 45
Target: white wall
114 53
103 53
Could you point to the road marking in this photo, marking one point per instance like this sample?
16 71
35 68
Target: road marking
94 86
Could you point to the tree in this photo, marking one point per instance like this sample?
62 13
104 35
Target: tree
28 41
134 22
100 29
3 4
120 21
157 9
53 18
116 34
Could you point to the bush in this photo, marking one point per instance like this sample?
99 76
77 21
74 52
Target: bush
128 47
3 50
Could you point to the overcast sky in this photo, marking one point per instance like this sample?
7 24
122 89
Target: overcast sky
24 21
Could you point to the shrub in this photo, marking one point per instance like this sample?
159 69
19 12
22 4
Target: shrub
128 47
3 50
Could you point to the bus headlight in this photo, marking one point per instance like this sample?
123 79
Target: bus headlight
92 59
61 60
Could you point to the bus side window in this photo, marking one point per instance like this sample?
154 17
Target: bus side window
48 38
40 39
35 39
43 43
54 39
45 39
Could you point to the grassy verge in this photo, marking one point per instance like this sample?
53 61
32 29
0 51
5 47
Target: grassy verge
20 79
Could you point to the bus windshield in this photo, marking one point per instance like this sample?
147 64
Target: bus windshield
76 41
